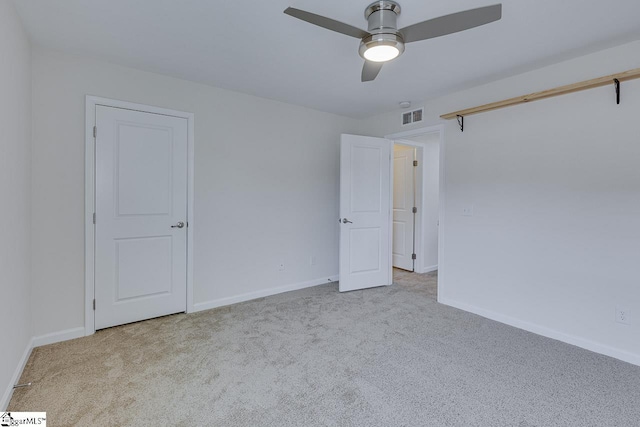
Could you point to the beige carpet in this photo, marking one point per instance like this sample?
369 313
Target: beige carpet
388 356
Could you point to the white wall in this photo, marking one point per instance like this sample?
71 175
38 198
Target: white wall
266 184
554 242
15 188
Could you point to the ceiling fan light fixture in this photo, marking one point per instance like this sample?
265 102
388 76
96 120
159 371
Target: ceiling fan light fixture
381 53
381 47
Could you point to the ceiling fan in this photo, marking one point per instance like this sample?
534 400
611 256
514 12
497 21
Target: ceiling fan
383 41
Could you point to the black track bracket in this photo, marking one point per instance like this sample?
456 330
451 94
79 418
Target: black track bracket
460 122
616 82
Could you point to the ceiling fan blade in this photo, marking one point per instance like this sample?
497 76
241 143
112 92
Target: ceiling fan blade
327 23
370 70
452 23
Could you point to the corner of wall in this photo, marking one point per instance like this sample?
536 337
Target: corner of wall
15 246
8 393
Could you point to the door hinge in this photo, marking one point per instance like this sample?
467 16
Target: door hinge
95 131
94 304
415 210
94 217
413 256
415 163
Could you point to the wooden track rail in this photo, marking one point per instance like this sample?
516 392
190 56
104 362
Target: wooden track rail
562 90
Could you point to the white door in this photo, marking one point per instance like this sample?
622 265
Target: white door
365 212
141 214
403 204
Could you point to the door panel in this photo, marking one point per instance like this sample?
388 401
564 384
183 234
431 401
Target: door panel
149 194
142 276
403 203
365 179
365 204
365 251
141 191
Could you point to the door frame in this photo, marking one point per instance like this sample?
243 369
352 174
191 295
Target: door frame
91 102
400 138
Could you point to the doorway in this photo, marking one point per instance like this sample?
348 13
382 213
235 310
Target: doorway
366 222
405 210
416 202
139 193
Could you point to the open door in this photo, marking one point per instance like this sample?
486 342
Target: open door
365 212
404 207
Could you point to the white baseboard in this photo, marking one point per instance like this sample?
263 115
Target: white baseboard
6 397
221 302
546 332
55 337
430 268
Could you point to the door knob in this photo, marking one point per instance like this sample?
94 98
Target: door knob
180 224
345 221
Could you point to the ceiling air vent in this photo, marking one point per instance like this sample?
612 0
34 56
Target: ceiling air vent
412 117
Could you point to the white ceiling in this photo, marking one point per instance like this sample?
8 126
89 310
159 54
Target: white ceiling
252 47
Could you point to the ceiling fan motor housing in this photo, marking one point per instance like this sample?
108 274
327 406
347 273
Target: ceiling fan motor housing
382 17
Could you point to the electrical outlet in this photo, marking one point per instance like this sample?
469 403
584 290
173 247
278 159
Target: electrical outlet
467 210
623 315
281 266
312 260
